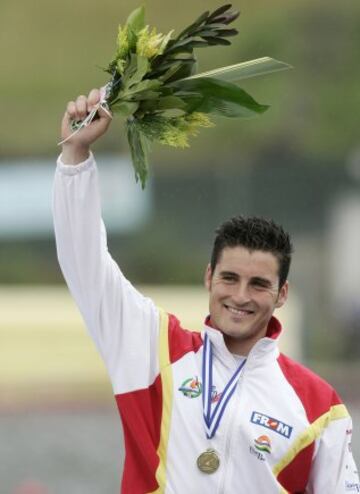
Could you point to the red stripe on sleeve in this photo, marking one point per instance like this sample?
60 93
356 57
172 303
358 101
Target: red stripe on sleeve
141 412
181 341
317 397
294 477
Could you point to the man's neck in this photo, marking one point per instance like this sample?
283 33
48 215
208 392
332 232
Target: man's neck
241 347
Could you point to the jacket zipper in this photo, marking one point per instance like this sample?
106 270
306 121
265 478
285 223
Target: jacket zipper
229 435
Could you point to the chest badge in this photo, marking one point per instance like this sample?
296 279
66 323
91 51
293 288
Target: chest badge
261 445
191 388
272 424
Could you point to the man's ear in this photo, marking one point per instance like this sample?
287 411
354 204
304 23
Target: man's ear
283 295
207 277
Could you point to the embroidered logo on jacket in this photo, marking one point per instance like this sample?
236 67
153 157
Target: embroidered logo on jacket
191 388
215 396
263 443
272 424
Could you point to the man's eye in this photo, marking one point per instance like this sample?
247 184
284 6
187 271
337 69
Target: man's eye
264 287
228 278
260 284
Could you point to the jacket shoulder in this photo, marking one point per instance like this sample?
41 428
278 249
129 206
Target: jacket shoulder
182 341
316 394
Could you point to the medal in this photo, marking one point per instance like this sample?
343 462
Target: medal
208 462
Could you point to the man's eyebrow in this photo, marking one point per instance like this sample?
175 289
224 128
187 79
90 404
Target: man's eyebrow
263 281
229 273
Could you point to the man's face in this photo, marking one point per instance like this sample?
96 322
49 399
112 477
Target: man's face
244 291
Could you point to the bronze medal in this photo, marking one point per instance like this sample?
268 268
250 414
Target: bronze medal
208 462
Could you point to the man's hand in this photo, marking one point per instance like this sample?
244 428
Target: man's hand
77 148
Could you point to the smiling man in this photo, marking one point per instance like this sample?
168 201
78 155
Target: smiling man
218 412
247 279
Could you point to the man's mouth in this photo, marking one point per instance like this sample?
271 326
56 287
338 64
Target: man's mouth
238 312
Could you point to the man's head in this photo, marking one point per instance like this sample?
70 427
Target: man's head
254 233
247 278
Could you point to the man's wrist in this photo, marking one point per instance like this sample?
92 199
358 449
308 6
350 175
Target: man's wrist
73 155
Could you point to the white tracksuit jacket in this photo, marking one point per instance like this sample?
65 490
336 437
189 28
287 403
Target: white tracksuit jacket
284 431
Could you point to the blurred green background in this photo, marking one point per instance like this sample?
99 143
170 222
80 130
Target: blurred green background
51 51
298 163
292 163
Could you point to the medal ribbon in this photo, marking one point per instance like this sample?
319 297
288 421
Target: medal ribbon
212 419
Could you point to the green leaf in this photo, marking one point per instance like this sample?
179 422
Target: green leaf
218 33
244 70
165 41
139 151
136 20
213 26
124 108
219 11
228 18
130 70
168 102
218 97
142 66
201 18
173 113
171 107
217 41
179 44
144 85
194 25
184 71
172 70
132 39
189 46
207 33
146 95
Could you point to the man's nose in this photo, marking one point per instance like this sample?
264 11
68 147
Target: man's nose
241 294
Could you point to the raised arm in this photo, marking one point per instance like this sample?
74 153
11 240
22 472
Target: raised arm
123 323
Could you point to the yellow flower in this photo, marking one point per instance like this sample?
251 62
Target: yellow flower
173 131
150 44
174 135
196 120
122 43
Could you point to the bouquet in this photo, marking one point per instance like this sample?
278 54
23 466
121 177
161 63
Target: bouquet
154 85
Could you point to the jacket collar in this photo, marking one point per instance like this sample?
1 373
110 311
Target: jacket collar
264 350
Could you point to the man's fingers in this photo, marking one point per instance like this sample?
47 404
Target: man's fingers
93 99
78 110
71 110
81 107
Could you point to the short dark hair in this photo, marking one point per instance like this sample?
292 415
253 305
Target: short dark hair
254 233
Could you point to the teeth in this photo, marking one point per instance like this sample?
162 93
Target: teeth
237 311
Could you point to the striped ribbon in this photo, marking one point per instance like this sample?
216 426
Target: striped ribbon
212 419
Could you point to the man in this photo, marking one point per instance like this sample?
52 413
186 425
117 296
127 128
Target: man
216 412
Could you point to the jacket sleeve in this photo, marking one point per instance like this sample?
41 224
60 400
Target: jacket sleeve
123 324
333 469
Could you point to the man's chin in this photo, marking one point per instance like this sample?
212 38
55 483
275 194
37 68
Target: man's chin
236 332
233 335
